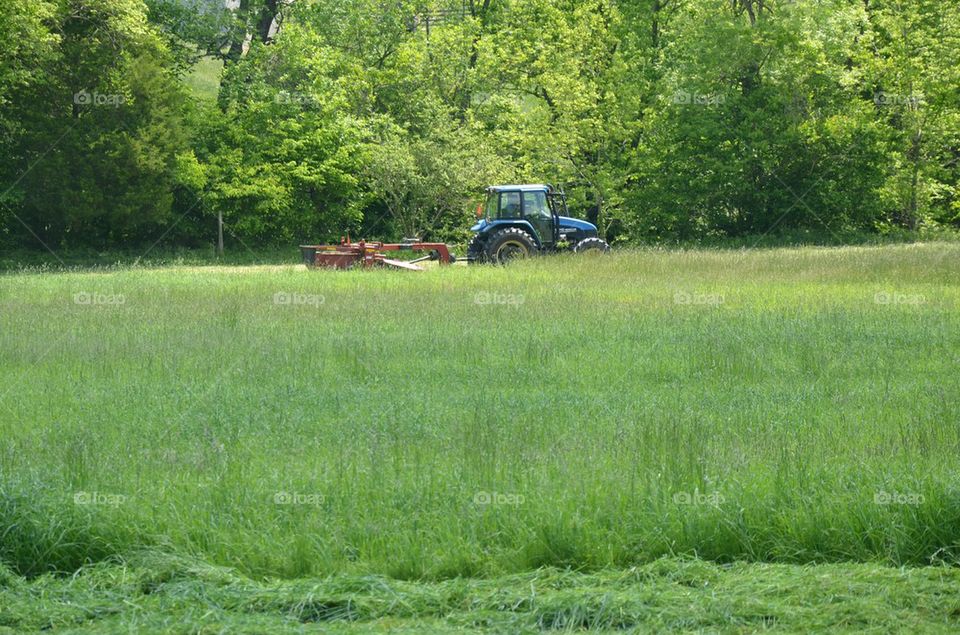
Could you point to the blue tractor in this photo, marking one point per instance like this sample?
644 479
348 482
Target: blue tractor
518 221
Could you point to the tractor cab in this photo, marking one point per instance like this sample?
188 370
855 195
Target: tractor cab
535 205
520 220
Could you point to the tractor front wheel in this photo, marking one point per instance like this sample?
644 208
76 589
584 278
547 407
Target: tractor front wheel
591 245
510 244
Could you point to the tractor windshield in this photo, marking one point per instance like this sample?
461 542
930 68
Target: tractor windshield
503 205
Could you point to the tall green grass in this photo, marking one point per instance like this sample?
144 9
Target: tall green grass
785 405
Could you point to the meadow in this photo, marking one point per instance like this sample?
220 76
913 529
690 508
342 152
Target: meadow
588 415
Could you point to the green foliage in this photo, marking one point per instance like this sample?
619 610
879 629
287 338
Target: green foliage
911 66
28 44
758 130
93 159
195 28
282 158
666 120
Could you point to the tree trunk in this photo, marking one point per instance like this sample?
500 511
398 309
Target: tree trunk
477 12
655 24
267 16
240 36
219 234
911 219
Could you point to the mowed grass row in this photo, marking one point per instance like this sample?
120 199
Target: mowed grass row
159 593
786 406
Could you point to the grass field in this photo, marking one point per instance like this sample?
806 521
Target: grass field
778 406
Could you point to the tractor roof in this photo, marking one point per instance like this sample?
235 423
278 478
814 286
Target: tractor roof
520 188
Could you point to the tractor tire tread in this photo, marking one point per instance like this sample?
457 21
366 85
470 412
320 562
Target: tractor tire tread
516 233
591 243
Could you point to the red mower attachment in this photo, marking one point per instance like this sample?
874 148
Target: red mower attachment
369 254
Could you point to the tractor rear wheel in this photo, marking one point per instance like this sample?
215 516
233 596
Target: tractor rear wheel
510 244
592 245
475 252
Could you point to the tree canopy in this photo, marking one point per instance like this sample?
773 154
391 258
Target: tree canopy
663 119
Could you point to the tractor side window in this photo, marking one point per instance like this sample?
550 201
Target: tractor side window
510 205
492 201
535 205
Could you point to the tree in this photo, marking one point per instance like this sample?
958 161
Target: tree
910 66
101 129
29 45
282 159
759 127
664 119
